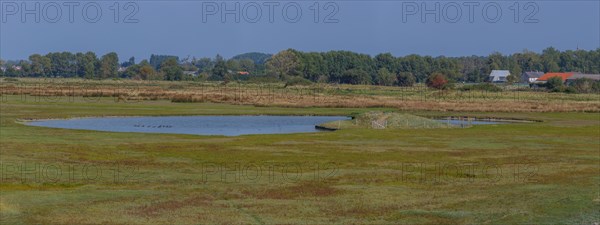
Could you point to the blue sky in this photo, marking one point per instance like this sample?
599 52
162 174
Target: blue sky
194 28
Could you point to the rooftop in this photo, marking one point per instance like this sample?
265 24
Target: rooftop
589 76
563 76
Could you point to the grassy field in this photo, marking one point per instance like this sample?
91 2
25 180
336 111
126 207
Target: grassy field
524 173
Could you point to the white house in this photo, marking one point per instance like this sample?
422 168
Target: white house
530 77
190 73
499 76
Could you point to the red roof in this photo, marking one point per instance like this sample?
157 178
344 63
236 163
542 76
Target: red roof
563 76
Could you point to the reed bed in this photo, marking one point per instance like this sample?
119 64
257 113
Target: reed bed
318 95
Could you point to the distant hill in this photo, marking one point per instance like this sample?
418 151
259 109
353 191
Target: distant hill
257 57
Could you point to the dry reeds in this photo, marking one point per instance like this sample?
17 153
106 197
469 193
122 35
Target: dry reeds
346 96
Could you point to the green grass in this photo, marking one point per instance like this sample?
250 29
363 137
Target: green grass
543 173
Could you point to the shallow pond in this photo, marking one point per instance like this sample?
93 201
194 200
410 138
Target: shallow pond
199 125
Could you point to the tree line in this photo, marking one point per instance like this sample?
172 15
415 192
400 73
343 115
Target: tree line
328 67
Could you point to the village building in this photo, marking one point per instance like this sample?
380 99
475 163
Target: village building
571 79
530 77
499 76
190 73
563 76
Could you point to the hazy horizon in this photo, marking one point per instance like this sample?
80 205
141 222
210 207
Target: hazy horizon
125 58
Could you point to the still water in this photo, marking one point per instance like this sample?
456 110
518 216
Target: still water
199 125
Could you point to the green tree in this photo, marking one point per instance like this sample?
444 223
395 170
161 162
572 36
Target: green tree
283 63
87 64
528 61
147 71
356 76
90 65
171 69
132 72
406 79
496 61
233 65
220 70
386 61
62 64
246 65
2 68
157 60
551 59
109 66
11 72
40 65
25 68
129 62
313 66
417 65
384 77
204 64
515 74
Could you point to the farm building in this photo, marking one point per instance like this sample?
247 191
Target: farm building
563 76
499 76
595 77
530 77
190 73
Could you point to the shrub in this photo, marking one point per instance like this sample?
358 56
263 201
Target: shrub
554 84
513 78
437 81
183 98
583 85
297 81
202 76
596 87
570 90
482 87
355 76
323 79
263 79
406 79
